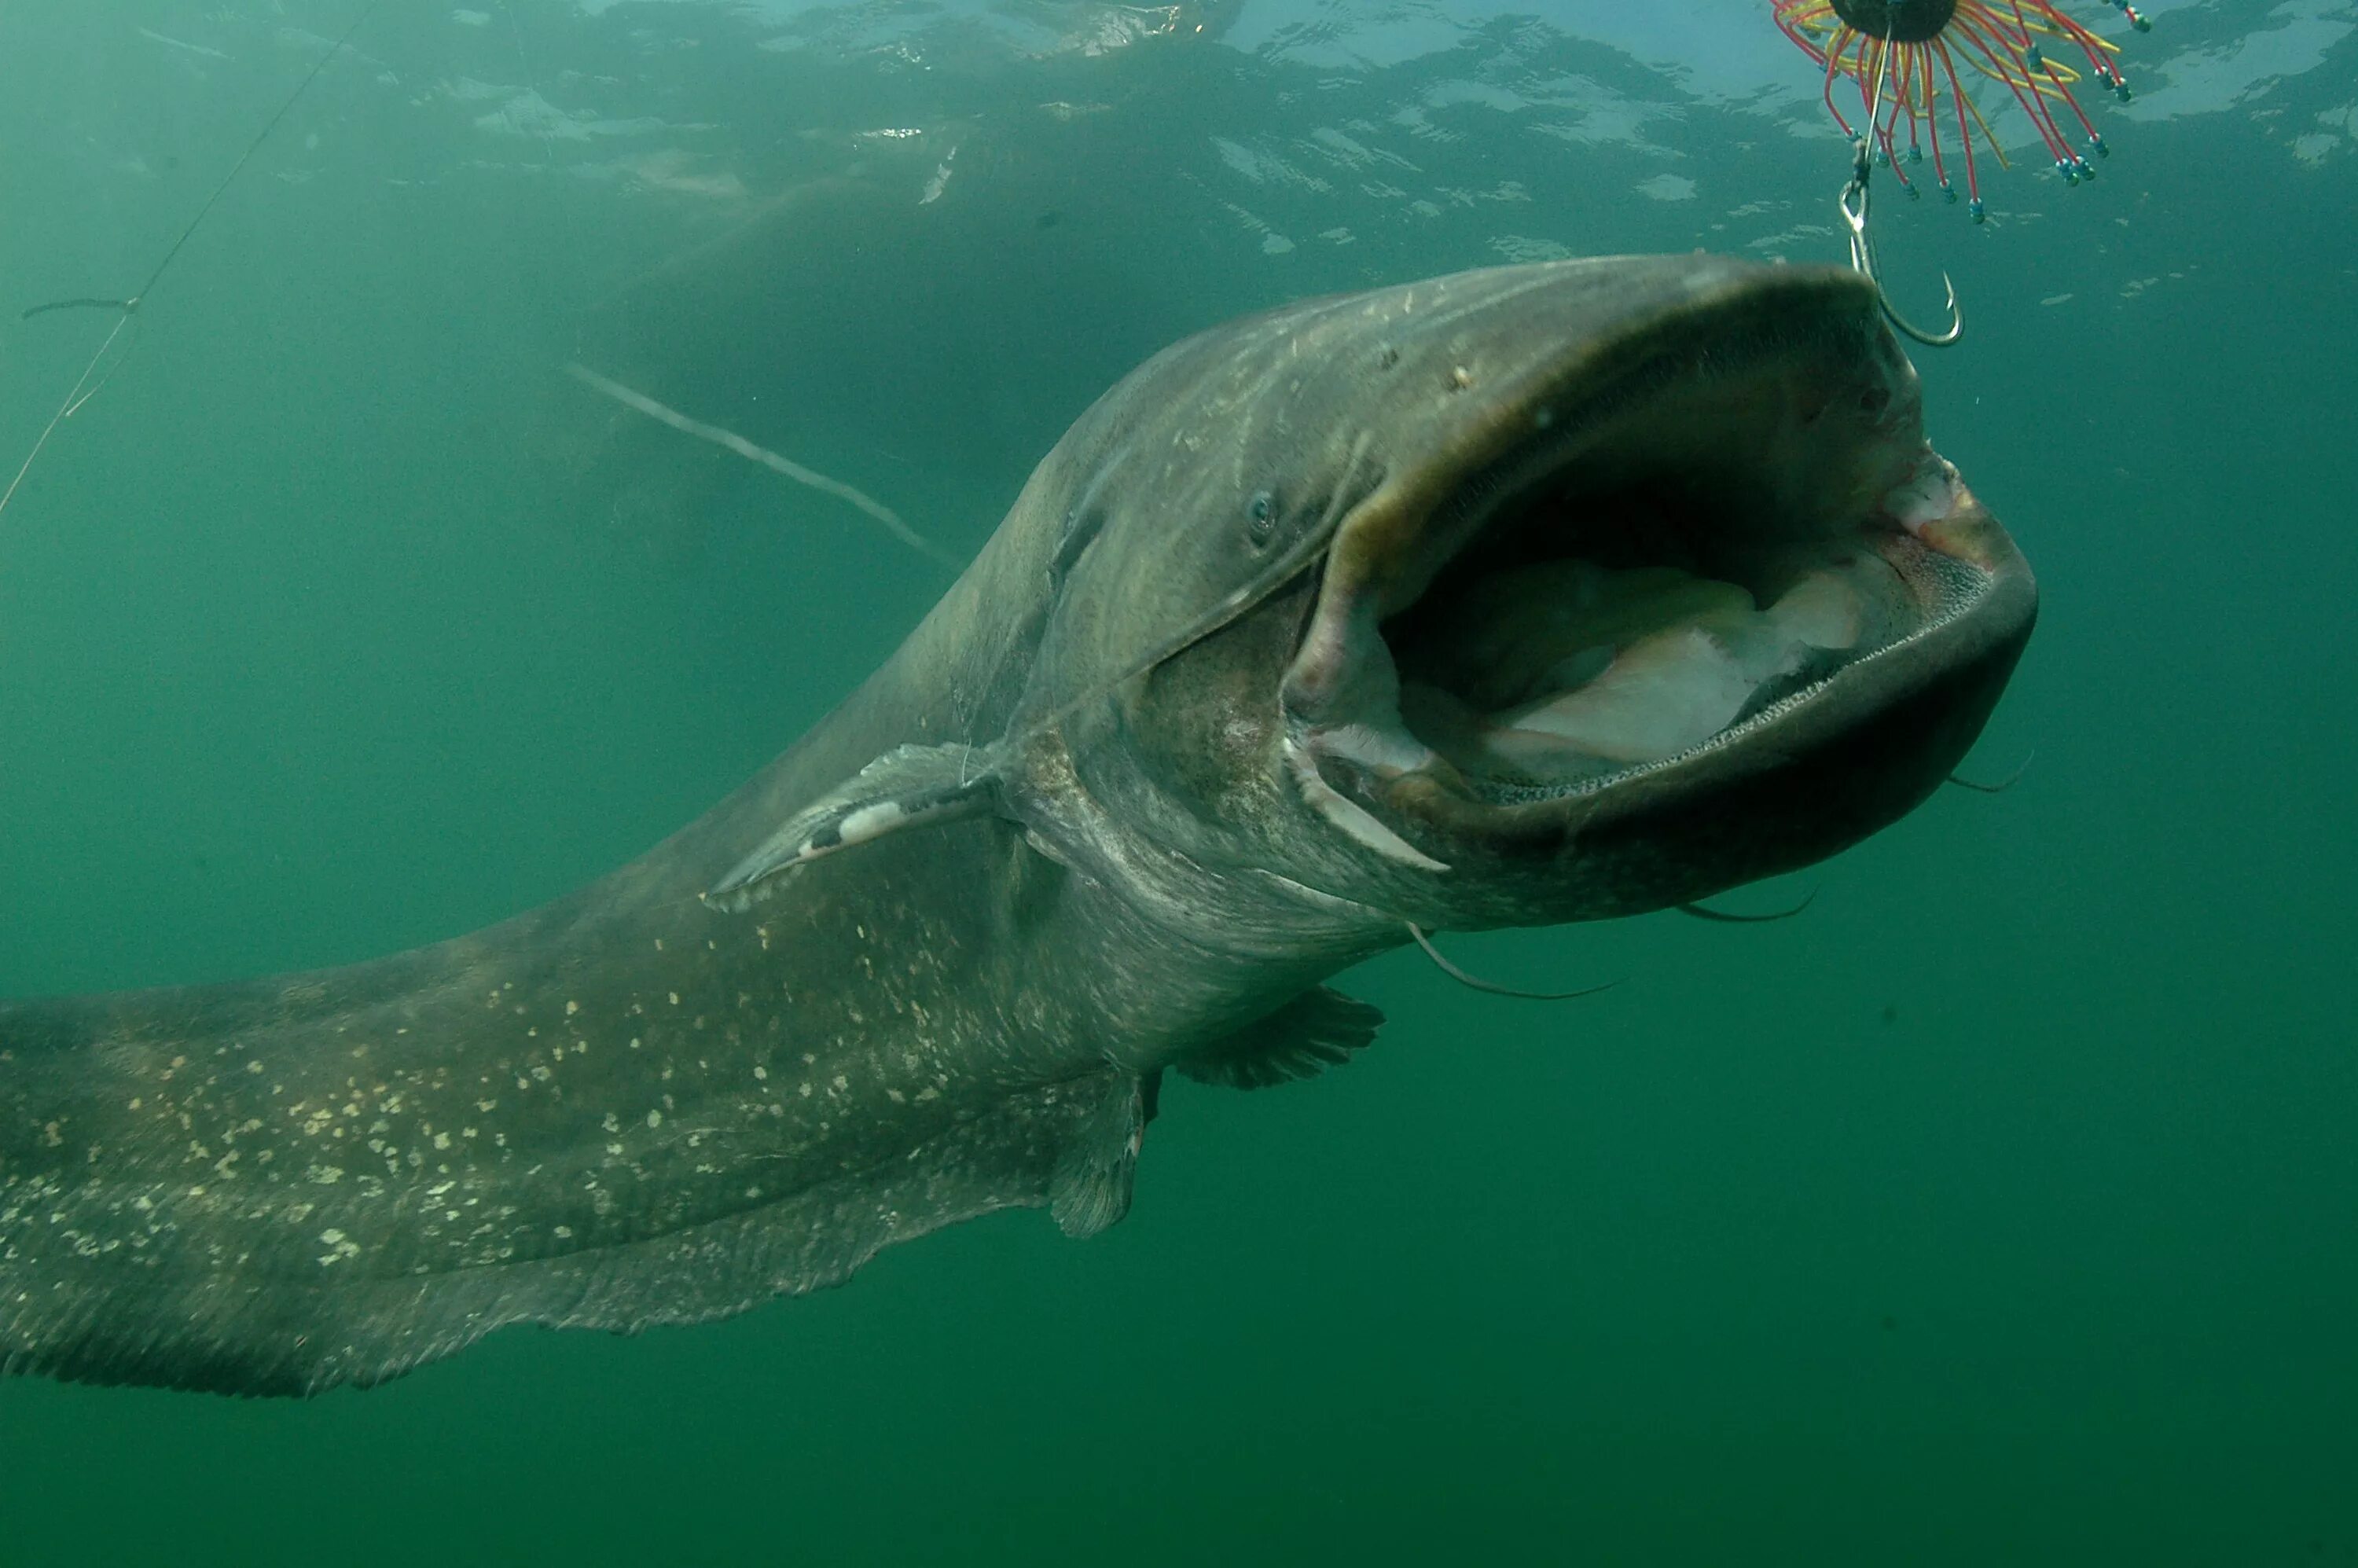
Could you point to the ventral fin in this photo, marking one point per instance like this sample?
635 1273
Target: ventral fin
909 786
1317 1029
1091 1187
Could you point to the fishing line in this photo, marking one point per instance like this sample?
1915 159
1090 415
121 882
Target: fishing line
83 389
73 305
524 68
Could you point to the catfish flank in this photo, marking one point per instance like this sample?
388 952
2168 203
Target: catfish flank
1519 596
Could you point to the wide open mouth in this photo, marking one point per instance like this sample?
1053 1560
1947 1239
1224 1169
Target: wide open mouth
1688 567
1624 620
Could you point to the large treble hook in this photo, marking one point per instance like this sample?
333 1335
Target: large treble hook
1854 206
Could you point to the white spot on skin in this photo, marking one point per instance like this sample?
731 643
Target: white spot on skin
869 822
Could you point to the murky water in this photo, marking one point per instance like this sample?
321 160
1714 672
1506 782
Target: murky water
2002 1208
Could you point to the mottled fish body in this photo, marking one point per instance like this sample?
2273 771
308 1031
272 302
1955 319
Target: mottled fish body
1518 597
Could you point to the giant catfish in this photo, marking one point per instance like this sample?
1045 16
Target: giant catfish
1524 596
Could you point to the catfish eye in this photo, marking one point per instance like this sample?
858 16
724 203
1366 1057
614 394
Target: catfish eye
1261 516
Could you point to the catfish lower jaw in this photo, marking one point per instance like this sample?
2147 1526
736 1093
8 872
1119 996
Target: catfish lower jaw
1722 580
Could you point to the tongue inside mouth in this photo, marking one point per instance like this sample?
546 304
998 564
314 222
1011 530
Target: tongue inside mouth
1565 671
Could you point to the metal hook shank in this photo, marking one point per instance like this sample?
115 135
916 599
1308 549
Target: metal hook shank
1854 202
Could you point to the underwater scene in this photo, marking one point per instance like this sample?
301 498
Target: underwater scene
1261 782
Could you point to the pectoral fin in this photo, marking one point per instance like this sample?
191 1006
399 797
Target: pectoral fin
1316 1030
909 786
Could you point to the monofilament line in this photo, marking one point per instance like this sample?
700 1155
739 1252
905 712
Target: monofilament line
767 459
82 390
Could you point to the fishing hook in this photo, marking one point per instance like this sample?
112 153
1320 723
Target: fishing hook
1854 209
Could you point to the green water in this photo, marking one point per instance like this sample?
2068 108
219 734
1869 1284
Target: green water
2002 1209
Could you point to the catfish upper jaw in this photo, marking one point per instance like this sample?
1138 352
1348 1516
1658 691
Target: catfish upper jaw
1710 565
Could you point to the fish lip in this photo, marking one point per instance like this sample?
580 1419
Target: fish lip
1424 818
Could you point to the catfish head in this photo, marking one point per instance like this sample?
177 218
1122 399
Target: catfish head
1524 596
